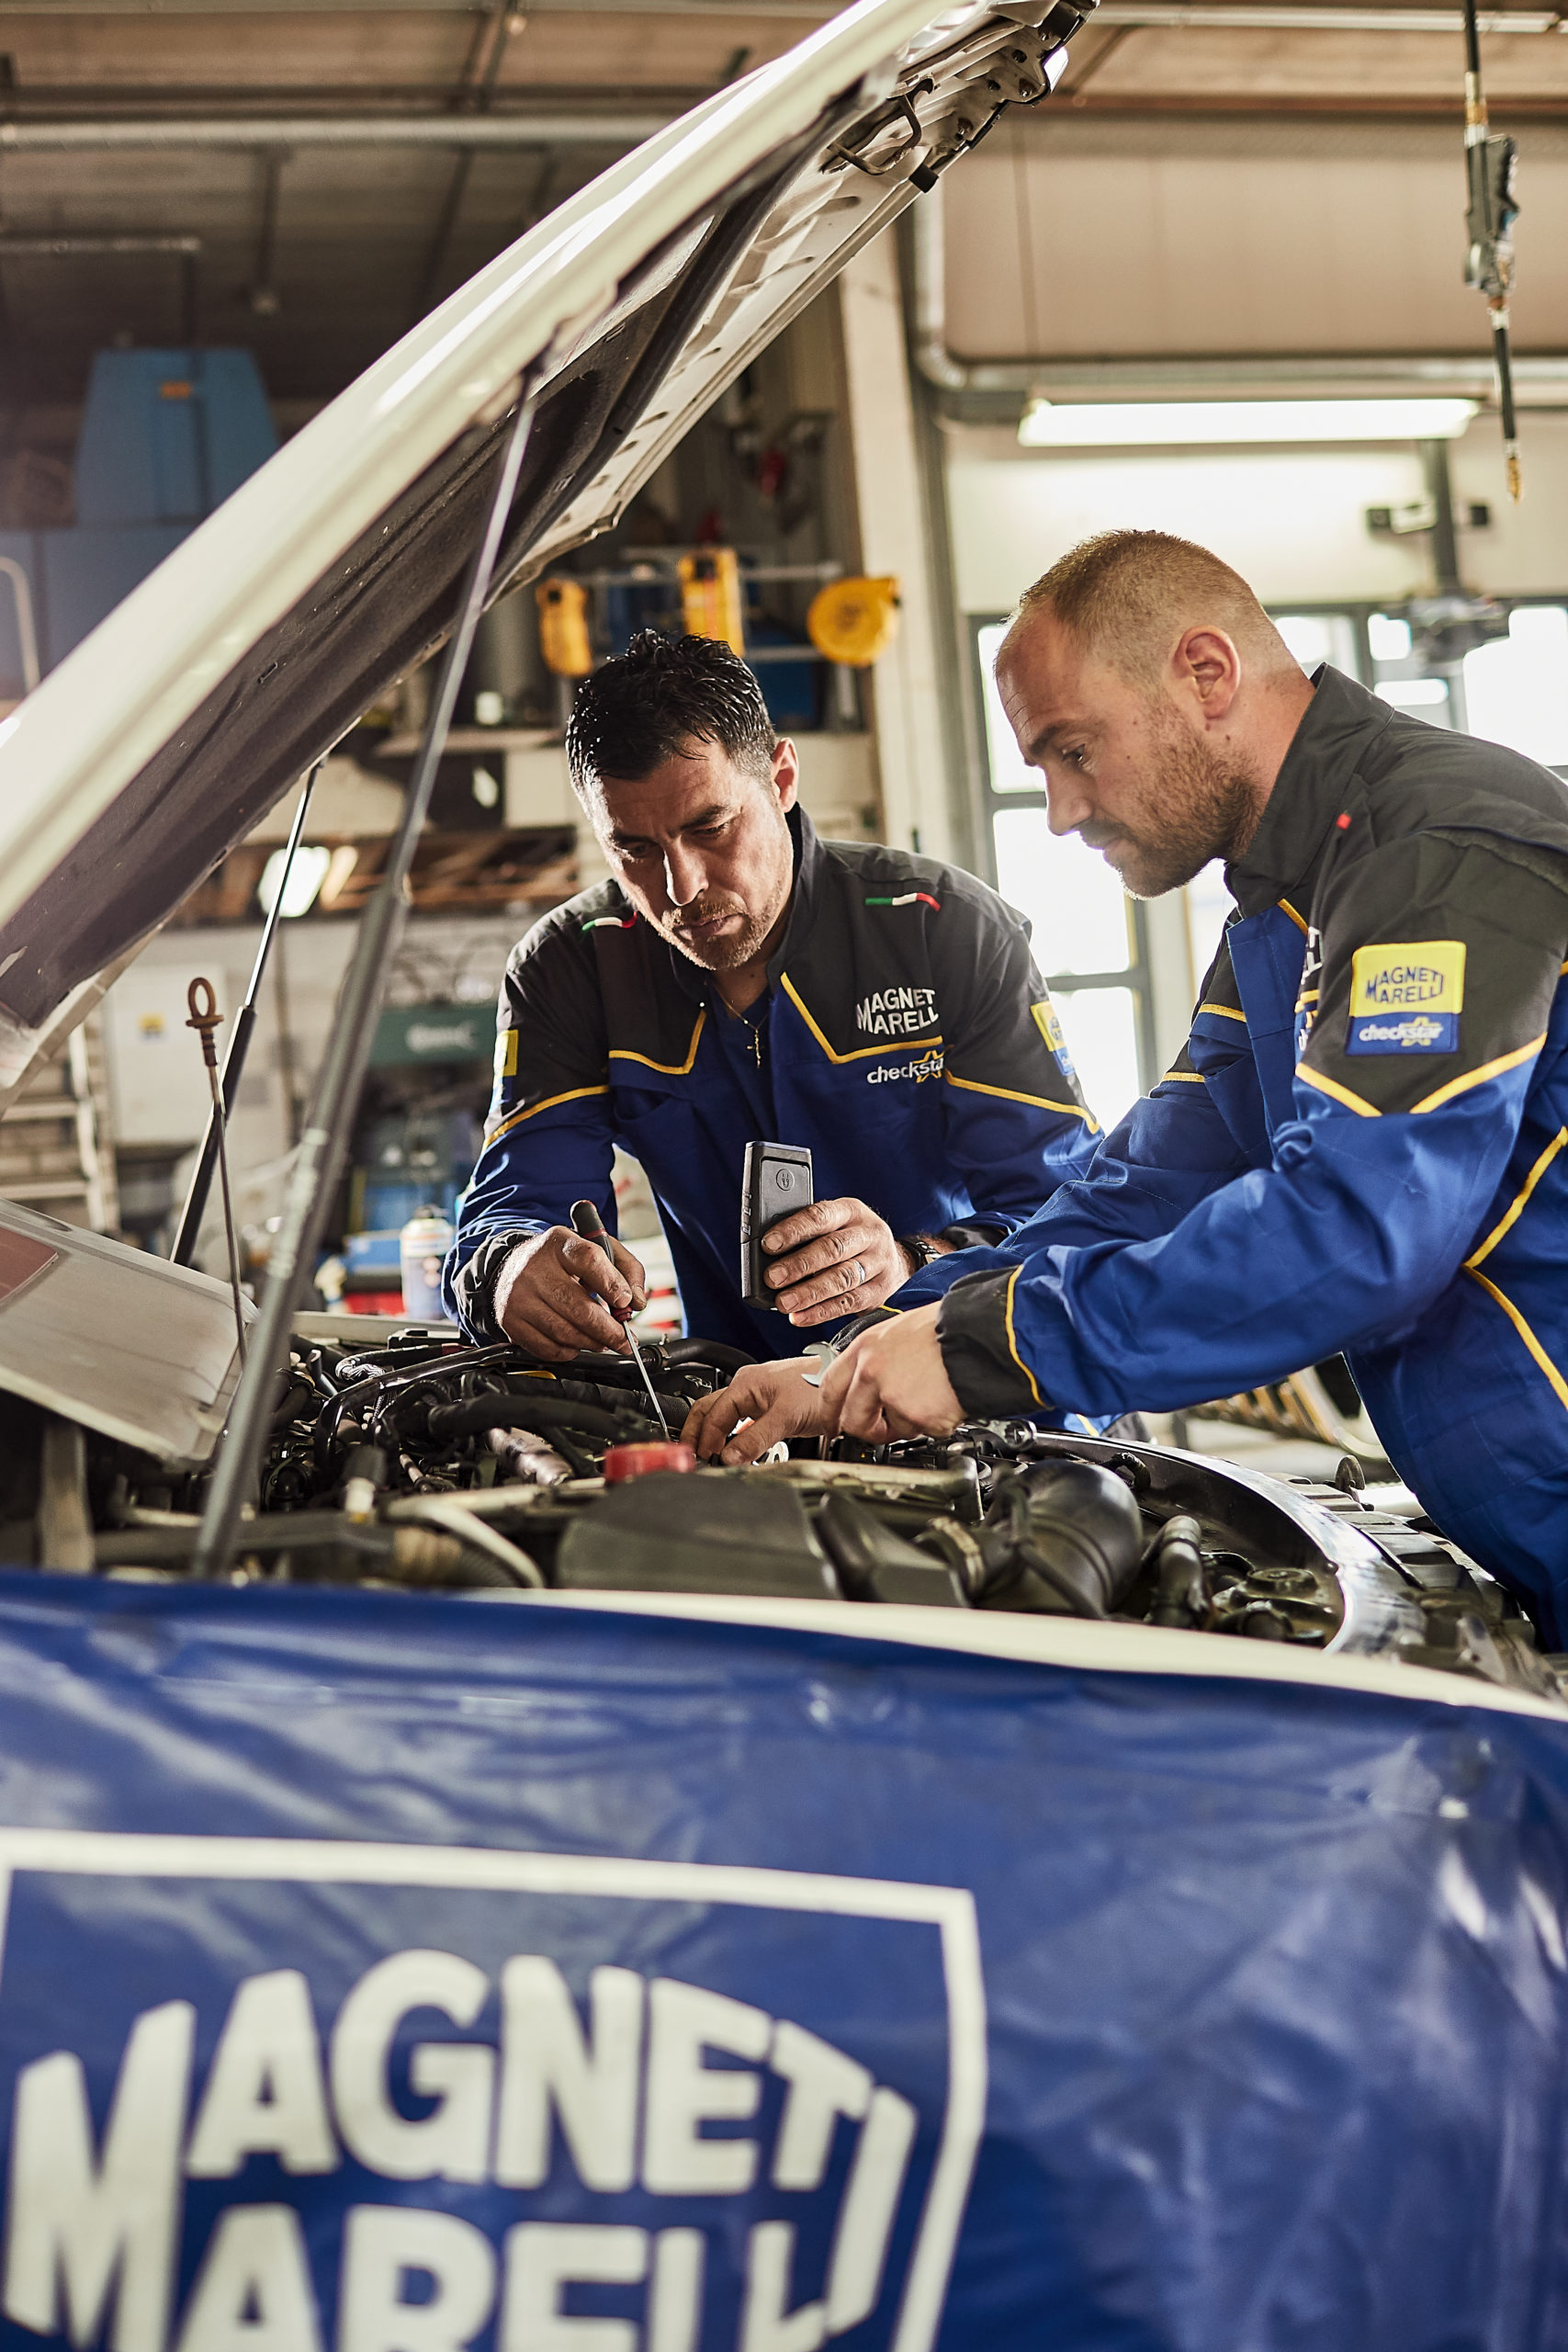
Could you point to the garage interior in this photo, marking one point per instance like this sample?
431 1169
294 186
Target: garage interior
1222 204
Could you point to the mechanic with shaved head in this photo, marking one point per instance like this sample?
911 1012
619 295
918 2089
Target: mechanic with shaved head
740 980
1361 1145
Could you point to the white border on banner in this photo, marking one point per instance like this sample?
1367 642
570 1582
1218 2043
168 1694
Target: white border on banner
1081 1645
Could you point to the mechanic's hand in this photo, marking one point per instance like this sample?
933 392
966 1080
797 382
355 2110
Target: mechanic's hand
835 1258
773 1401
548 1290
891 1381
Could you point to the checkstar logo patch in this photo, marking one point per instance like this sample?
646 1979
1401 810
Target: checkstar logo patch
1406 997
1050 1028
887 1074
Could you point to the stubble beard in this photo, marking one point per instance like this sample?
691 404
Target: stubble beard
1202 806
726 954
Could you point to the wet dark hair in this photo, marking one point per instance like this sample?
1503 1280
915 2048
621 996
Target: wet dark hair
661 695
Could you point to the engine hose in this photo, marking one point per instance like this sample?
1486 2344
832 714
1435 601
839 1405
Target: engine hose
301 1397
597 1392
712 1352
545 1415
1181 1599
381 1384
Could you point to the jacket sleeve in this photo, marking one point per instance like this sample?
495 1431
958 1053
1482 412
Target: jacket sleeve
1405 1120
1200 1127
1015 1121
549 1138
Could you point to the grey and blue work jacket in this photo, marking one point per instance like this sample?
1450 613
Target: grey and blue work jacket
905 1036
1363 1146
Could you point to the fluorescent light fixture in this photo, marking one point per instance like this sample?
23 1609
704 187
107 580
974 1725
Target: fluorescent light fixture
1104 425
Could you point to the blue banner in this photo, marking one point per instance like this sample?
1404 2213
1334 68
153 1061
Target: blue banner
388 1974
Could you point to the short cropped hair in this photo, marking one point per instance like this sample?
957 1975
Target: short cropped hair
1127 594
662 694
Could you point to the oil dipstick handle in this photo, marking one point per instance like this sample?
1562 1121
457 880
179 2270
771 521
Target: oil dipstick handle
201 1002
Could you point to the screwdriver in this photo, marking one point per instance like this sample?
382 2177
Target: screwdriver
586 1220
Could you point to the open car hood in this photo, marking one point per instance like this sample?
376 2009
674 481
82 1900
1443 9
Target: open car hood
171 731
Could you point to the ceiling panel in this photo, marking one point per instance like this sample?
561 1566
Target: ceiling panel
1093 238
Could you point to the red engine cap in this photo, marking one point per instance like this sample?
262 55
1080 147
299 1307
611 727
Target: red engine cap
624 1462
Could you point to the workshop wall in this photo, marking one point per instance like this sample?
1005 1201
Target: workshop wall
1292 522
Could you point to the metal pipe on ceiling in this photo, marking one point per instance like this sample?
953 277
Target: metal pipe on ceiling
1178 17
495 130
816 10
1172 13
1039 378
67 246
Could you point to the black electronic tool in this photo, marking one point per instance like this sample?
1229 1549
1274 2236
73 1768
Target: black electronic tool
777 1182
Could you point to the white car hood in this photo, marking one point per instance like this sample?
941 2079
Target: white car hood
169 731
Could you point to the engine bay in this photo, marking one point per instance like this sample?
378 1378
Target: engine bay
420 1462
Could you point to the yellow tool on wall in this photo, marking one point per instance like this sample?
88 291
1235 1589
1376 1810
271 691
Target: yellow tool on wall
853 621
710 596
563 626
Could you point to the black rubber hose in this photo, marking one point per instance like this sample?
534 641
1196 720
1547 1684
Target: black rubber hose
1181 1599
713 1353
470 1415
613 1399
300 1398
378 1386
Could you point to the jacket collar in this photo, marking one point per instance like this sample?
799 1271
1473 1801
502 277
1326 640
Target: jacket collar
810 858
1313 787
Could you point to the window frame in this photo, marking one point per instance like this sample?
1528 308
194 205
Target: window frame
1135 974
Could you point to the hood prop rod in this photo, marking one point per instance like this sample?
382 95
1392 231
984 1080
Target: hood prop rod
342 1074
184 1251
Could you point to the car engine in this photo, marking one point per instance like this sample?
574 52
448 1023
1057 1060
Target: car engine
424 1462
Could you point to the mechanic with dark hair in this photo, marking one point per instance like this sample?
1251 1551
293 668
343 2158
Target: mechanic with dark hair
1360 1146
741 980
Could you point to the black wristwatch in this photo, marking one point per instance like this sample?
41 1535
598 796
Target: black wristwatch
920 1249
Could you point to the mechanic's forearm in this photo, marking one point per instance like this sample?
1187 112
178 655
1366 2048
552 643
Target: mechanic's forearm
1342 1243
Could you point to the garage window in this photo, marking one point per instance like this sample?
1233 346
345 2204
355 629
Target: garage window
1088 935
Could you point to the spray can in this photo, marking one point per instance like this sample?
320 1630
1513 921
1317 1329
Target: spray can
422 1244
